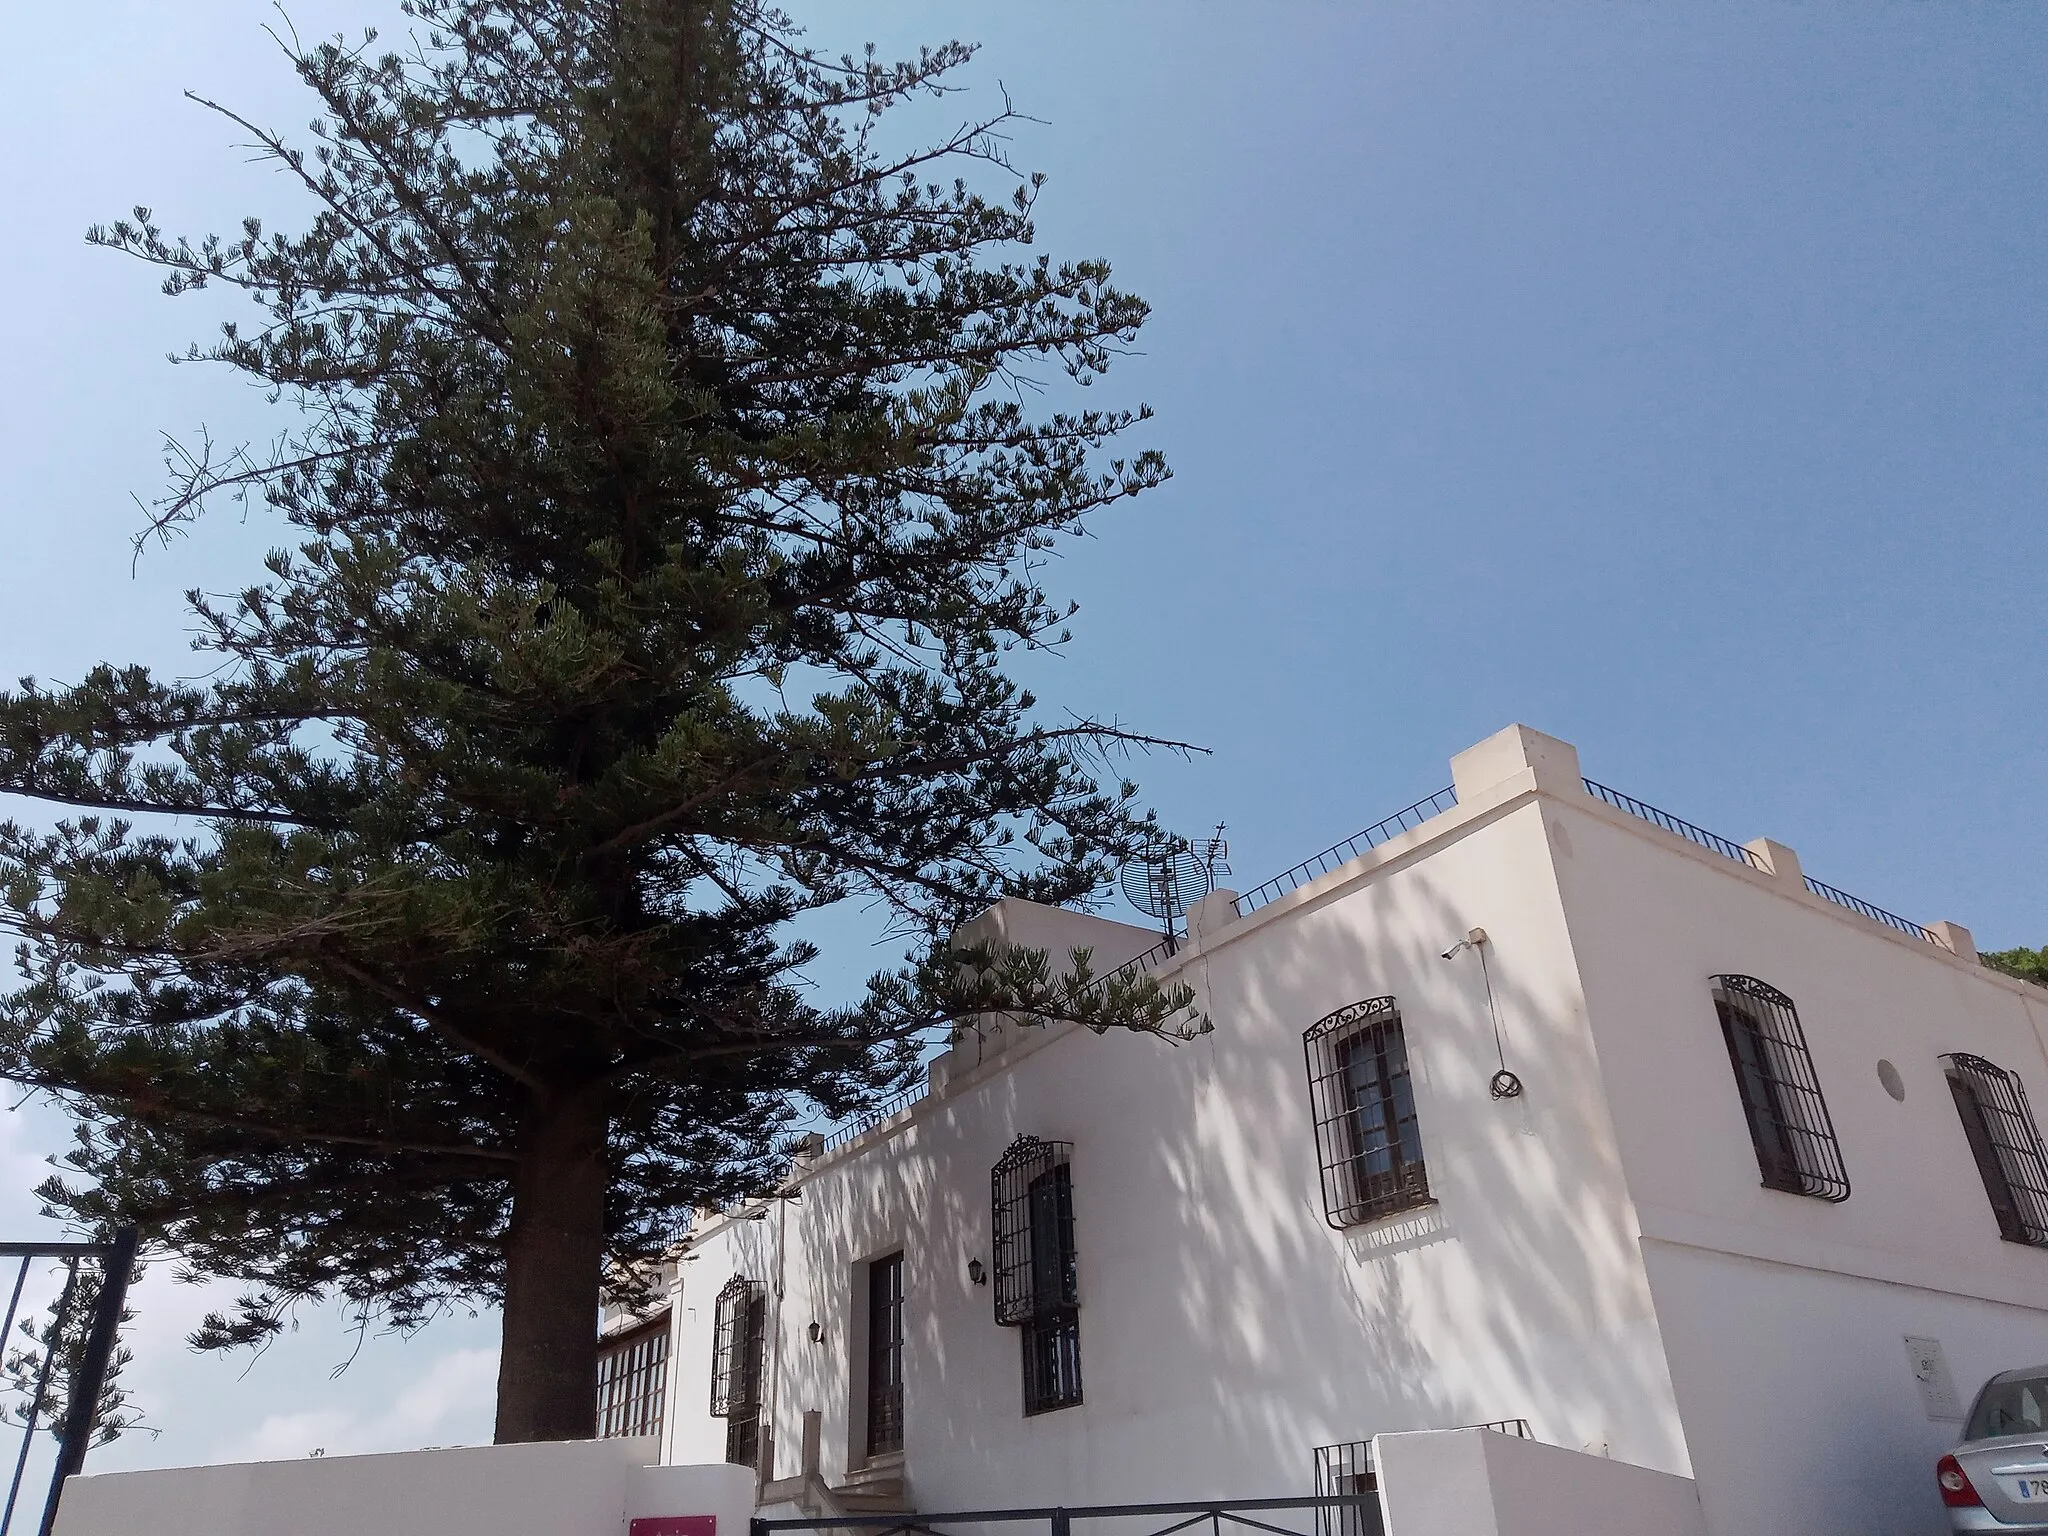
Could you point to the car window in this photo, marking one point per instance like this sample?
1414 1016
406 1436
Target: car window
2018 1407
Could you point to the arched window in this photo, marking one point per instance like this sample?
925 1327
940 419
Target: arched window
1796 1150
2006 1142
1037 1275
738 1348
1368 1139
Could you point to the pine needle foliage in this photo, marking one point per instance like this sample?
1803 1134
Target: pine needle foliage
668 473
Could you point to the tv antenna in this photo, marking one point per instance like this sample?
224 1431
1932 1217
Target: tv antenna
1169 875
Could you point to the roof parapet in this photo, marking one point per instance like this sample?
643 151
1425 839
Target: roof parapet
1505 755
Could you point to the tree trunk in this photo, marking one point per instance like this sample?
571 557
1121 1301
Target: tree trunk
554 1253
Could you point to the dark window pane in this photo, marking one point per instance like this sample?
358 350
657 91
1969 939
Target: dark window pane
739 1351
1789 1127
632 1381
885 1355
1368 1136
1052 1361
1032 1219
1999 1126
1038 1276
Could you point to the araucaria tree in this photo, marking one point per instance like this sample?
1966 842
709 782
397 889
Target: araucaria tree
664 488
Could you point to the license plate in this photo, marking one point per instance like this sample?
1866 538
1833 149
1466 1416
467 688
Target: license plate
2027 1490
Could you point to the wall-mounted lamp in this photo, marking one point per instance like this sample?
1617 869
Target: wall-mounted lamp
817 1332
1472 940
976 1273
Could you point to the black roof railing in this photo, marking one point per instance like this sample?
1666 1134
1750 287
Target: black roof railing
1877 914
1670 823
861 1124
1742 855
1407 819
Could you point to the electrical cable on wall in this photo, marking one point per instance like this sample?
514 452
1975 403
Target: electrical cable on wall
1504 1083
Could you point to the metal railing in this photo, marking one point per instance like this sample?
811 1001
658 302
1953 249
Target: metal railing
1271 1517
1405 820
1348 1468
1138 965
85 1376
1671 823
861 1124
1877 914
1350 1458
1742 855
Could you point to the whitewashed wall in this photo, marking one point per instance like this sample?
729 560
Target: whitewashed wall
1786 1316
574 1488
1473 1482
1226 1329
1602 1259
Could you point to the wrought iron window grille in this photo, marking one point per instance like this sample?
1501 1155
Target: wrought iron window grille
1362 1096
1796 1149
2005 1140
632 1380
1037 1287
727 1343
1032 1222
1052 1361
885 1356
1697 835
1407 819
738 1351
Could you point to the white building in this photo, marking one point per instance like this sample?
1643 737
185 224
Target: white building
1733 1227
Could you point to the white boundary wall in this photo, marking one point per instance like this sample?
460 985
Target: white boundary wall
574 1488
1470 1482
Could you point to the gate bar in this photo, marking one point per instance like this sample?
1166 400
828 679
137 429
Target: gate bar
1057 1514
82 1411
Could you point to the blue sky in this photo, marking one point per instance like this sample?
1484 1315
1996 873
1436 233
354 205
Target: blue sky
1668 377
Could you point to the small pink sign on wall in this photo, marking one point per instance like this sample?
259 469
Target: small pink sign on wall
673 1525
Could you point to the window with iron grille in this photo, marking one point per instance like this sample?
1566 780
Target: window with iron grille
1037 1274
1368 1139
885 1355
632 1379
1052 1361
1796 1150
1999 1125
739 1345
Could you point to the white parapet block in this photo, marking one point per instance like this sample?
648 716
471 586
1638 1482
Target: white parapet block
567 1488
1476 1482
1516 755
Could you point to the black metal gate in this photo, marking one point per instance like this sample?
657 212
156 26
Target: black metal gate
93 1301
1272 1517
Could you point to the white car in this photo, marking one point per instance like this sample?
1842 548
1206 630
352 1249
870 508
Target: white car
1997 1479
